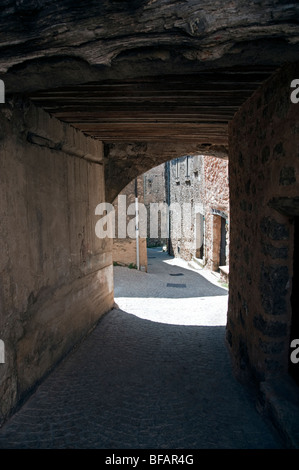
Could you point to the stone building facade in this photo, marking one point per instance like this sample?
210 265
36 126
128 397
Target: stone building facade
216 207
152 187
155 190
199 184
125 250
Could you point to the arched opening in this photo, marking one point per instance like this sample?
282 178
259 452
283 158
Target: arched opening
171 196
123 107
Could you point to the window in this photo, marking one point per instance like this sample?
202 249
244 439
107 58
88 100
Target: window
177 169
187 176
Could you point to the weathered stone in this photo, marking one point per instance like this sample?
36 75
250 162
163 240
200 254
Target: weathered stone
273 229
56 275
271 347
265 154
275 252
229 337
273 288
278 150
144 156
145 34
243 205
282 106
270 328
247 187
208 193
246 254
286 205
272 365
266 233
287 176
243 355
28 7
124 246
241 160
241 317
156 189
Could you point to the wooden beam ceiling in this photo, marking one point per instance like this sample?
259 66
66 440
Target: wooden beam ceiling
178 108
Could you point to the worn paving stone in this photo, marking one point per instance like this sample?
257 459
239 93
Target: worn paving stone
137 383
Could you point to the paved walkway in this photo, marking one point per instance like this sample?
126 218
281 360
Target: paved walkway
154 383
171 292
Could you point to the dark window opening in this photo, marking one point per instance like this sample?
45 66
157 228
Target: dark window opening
177 169
187 168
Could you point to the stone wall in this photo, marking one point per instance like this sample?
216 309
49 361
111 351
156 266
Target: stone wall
155 191
56 276
216 201
124 248
186 186
264 188
125 161
203 182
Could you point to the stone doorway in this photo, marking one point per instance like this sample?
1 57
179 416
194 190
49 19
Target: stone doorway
219 239
222 255
200 236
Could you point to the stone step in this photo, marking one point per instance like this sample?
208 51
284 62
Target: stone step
224 273
198 262
195 266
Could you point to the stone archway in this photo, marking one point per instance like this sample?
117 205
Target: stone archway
65 59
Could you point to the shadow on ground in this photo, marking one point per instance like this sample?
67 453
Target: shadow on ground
135 384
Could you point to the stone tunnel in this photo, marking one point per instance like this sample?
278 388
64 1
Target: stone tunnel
98 93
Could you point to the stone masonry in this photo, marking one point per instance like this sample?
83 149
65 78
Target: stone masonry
216 204
203 182
97 96
125 247
264 188
156 190
56 276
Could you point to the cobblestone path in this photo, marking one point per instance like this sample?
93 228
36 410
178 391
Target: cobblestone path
145 383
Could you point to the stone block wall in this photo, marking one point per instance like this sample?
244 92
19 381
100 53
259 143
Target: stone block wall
56 276
186 186
155 190
216 201
264 187
204 184
125 249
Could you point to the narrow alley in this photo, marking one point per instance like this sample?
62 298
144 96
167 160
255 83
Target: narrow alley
155 373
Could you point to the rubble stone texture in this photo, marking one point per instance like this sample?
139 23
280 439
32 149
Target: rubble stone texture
262 236
203 182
